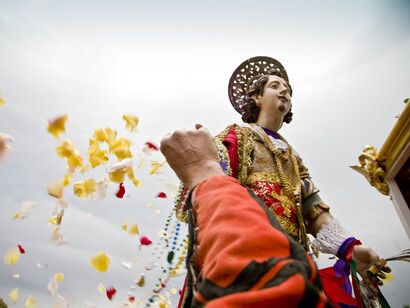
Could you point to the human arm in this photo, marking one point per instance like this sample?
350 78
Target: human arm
276 275
331 236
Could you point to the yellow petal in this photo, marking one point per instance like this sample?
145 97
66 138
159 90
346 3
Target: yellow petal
59 277
155 166
117 176
14 294
67 179
12 256
121 148
130 174
16 275
55 189
101 288
31 301
2 102
173 291
125 225
85 169
140 163
67 150
16 215
134 229
100 262
84 188
131 122
136 259
106 134
96 156
52 221
57 125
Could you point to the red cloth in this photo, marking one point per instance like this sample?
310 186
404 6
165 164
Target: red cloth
246 259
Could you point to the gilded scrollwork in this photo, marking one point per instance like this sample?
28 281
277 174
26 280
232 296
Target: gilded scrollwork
371 169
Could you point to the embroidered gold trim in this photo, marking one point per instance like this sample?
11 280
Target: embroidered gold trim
268 177
290 228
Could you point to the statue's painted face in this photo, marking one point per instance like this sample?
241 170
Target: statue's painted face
276 99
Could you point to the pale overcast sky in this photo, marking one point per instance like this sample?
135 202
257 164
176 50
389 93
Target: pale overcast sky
169 62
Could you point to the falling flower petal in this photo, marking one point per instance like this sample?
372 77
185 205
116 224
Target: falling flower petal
3 147
136 259
131 298
100 262
125 225
126 265
163 233
131 122
149 147
121 148
67 179
31 301
55 189
62 203
16 275
52 286
14 294
134 230
52 221
101 288
106 134
173 291
161 195
2 102
58 238
157 211
117 176
96 156
85 169
26 207
110 292
150 265
84 188
100 193
57 125
61 302
12 256
140 163
121 165
59 277
22 251
121 191
130 174
67 150
90 304
155 166
141 281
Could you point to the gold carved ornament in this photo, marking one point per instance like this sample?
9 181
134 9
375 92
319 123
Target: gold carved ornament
371 169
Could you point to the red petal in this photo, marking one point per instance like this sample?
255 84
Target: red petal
121 191
131 298
22 251
162 195
110 292
145 241
151 146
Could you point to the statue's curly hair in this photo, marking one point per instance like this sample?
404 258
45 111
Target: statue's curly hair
250 109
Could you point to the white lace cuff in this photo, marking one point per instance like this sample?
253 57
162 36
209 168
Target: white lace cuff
331 236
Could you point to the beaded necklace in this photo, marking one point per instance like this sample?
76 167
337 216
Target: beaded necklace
291 190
